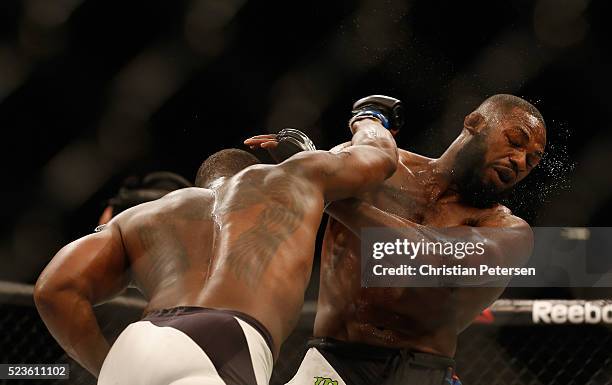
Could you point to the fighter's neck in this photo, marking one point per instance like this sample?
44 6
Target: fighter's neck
440 175
441 183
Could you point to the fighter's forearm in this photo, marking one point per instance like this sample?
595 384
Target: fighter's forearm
356 214
502 246
71 321
370 132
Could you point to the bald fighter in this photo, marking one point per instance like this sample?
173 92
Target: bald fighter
223 267
409 335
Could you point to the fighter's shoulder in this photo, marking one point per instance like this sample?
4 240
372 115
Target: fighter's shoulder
263 178
178 198
186 199
499 216
307 164
254 176
169 202
411 159
189 193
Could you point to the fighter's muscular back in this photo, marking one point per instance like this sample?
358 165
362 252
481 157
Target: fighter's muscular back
222 249
425 319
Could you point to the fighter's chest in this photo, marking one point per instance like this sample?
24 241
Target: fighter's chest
410 197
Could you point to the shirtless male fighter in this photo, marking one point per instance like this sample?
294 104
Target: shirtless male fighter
223 267
408 336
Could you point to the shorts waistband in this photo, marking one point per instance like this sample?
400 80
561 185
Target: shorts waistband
178 311
364 351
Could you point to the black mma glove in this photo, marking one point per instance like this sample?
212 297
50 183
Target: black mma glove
290 142
387 110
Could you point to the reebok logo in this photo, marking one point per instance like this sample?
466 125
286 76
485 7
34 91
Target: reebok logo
550 312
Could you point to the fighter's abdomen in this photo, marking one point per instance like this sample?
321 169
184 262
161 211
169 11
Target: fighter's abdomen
421 318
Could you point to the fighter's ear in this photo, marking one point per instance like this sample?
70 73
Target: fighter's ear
474 122
106 216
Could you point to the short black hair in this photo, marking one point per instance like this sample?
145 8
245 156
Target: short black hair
135 190
226 163
507 102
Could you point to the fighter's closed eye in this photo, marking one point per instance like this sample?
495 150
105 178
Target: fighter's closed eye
517 137
513 141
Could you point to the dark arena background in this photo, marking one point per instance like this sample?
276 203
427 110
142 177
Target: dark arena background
93 92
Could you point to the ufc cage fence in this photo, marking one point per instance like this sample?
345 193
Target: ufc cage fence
514 342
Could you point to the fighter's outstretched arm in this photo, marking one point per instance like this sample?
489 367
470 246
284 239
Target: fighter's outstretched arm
508 239
82 274
370 159
361 164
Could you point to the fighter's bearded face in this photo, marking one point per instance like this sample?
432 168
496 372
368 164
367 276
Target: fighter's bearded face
499 154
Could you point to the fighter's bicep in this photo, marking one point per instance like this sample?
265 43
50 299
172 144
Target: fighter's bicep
339 175
95 266
347 172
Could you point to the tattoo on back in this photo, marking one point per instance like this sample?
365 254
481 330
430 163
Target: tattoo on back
283 211
165 249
